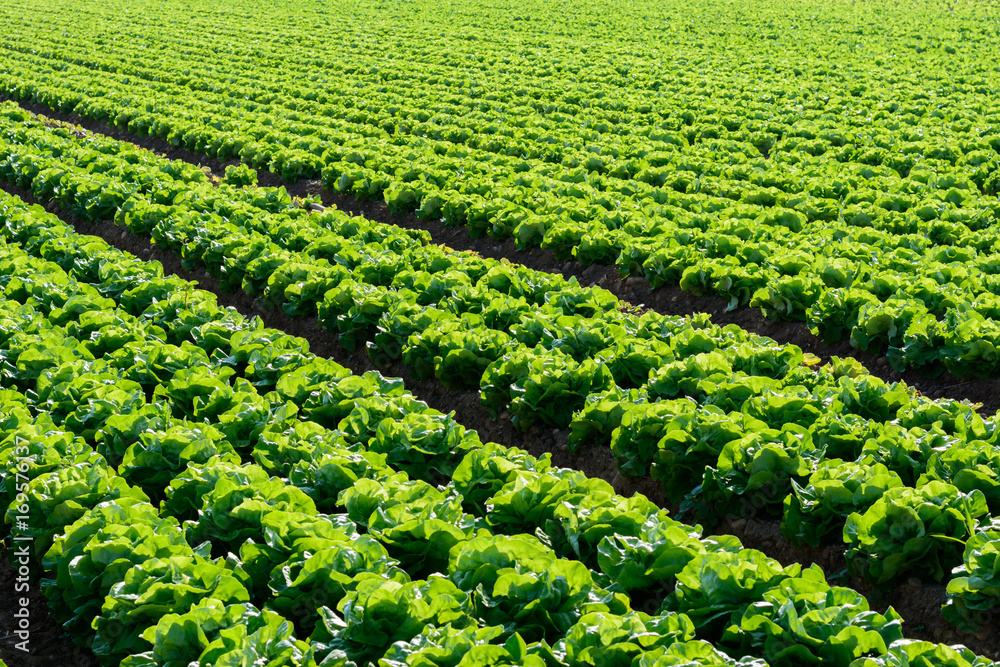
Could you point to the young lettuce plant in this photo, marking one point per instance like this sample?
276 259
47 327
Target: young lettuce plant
916 532
974 594
816 511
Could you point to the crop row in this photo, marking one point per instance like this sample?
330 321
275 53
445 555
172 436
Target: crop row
871 220
129 475
733 424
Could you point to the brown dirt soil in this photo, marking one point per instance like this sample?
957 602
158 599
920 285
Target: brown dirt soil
917 602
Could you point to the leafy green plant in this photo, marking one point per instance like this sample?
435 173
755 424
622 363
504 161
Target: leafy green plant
756 472
380 613
920 532
804 621
239 176
153 588
975 591
94 552
715 587
816 511
611 639
909 652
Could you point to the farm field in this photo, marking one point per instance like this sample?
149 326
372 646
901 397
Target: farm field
241 425
828 163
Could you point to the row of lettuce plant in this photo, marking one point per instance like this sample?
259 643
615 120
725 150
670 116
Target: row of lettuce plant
883 236
758 463
483 599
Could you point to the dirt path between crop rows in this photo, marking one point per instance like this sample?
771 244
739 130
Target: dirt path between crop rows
917 602
669 299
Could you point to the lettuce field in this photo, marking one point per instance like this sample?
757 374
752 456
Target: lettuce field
416 334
